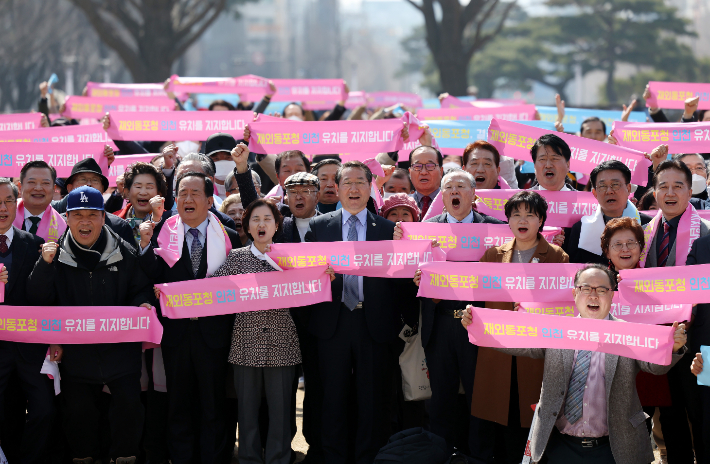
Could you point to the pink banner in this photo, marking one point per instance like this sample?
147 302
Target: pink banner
113 90
680 137
20 121
97 107
498 281
672 95
177 125
86 133
245 292
508 329
453 102
386 258
465 242
514 140
507 113
121 163
380 99
249 84
308 90
79 324
2 286
61 156
663 285
322 138
703 213
355 99
564 209
638 313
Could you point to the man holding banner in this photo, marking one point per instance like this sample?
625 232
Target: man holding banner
92 266
589 410
354 329
19 250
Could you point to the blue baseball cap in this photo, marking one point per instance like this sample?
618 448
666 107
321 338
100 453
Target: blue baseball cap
85 197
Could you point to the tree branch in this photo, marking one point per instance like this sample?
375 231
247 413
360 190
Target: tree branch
189 39
471 11
118 10
418 7
187 27
479 42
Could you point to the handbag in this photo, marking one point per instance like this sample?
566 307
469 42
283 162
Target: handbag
412 362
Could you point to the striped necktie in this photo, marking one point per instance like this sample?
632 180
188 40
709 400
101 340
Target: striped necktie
665 248
575 392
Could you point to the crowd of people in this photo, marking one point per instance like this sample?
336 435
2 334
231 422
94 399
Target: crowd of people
79 242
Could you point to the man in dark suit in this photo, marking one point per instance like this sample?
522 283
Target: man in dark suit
353 330
611 186
551 156
19 251
195 349
451 359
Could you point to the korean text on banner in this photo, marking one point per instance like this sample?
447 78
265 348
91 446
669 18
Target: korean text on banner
82 133
249 84
564 209
672 95
79 324
245 292
508 329
110 89
498 281
515 140
20 121
305 90
121 163
386 258
639 313
684 284
680 137
465 242
97 107
508 113
178 125
61 156
322 138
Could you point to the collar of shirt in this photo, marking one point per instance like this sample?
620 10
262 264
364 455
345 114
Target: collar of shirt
202 228
607 318
361 217
673 222
29 215
9 234
264 257
418 196
563 189
467 220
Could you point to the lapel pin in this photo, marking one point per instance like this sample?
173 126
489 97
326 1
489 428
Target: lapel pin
373 223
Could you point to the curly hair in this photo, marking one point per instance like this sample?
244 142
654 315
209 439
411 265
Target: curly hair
139 168
618 224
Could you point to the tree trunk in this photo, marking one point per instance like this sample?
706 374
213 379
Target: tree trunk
453 75
610 87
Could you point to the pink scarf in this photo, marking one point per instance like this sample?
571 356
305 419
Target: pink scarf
688 232
51 226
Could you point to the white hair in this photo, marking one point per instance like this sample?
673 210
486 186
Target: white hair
458 172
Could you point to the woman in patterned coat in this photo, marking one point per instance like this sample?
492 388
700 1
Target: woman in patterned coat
265 349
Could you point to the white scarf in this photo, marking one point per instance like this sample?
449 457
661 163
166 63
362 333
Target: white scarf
593 227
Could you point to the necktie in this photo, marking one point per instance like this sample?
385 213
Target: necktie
426 202
3 244
351 291
575 393
35 224
665 248
195 251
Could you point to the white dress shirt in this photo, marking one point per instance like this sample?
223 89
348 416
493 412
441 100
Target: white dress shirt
28 215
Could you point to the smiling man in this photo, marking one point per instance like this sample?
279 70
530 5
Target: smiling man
355 329
34 213
551 156
611 186
425 173
589 410
326 171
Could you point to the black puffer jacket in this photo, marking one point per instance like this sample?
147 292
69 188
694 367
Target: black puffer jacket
117 280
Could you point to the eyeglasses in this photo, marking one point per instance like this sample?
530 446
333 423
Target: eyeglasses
8 203
615 186
618 246
303 192
427 167
587 290
88 181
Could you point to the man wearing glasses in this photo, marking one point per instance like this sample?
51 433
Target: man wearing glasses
88 172
425 172
611 186
589 410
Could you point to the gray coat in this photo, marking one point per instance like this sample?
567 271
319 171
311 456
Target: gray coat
652 260
627 433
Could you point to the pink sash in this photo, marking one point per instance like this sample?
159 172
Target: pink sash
51 226
688 232
172 236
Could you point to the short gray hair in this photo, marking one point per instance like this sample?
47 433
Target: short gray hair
230 180
207 164
13 186
458 172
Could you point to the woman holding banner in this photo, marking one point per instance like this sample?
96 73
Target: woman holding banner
505 386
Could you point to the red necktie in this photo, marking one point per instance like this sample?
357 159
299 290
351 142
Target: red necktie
3 244
426 202
665 241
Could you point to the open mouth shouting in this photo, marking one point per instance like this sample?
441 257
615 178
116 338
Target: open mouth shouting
189 209
592 307
143 202
261 233
523 230
456 203
549 174
480 179
238 225
298 206
85 232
